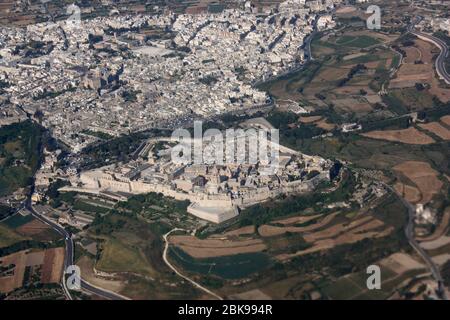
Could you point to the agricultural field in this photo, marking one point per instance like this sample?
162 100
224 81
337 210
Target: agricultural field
116 257
437 244
241 259
423 177
234 266
129 256
446 120
206 248
390 151
395 270
30 267
437 129
353 77
19 155
28 227
348 71
9 236
18 220
288 237
375 79
417 71
319 122
408 136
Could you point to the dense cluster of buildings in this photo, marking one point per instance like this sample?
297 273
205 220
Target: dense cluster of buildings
118 74
440 24
216 191
434 14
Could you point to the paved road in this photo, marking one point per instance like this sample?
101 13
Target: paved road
68 259
166 249
308 56
409 232
440 61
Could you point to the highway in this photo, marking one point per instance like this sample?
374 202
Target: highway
440 61
69 257
409 232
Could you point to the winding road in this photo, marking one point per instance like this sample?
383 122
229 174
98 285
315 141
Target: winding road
69 257
166 249
440 61
409 232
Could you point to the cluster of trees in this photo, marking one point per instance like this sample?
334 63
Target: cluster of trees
5 211
98 134
282 120
345 259
353 71
294 136
57 198
107 224
3 85
93 39
393 124
395 104
208 80
408 40
130 95
117 149
53 94
266 212
29 244
18 165
400 50
446 273
443 36
140 202
34 49
291 131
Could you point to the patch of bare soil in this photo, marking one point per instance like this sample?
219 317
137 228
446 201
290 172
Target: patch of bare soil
408 136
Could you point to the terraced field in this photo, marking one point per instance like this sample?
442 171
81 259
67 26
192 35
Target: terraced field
227 267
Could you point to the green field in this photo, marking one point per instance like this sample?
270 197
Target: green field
8 236
362 41
409 100
133 247
343 289
87 207
139 288
342 81
228 267
19 155
119 257
5 211
354 286
18 220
